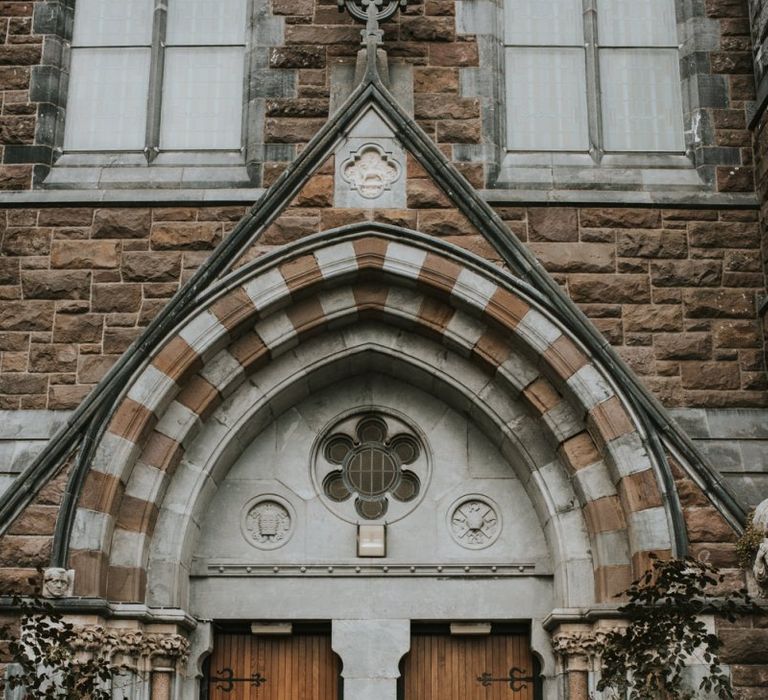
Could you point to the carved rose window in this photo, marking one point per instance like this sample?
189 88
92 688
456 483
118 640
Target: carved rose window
372 467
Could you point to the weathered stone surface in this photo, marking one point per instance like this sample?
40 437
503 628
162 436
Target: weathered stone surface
425 194
750 676
686 273
444 222
26 315
67 396
21 383
437 106
683 346
151 267
453 54
620 289
15 581
553 224
717 234
459 131
185 236
710 375
319 34
117 340
84 254
121 223
52 358
9 271
19 551
427 29
286 130
620 218
297 107
56 284
429 79
35 520
26 241
744 646
290 228
297 57
65 217
91 368
80 328
318 192
736 334
116 298
718 303
586 257
648 243
17 130
649 317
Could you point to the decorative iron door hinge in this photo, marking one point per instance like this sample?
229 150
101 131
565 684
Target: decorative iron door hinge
516 682
226 680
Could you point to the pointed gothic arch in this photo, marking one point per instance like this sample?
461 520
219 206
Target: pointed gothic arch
270 307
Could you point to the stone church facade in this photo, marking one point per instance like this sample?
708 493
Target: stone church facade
378 359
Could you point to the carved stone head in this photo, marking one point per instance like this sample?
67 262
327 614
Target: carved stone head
58 583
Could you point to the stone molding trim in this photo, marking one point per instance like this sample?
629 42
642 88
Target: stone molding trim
273 306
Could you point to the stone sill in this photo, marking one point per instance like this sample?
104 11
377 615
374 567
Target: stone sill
496 197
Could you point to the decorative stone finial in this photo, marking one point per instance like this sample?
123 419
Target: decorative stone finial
58 583
359 8
760 568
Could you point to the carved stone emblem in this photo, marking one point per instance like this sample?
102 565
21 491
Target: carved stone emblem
474 523
268 522
58 583
370 171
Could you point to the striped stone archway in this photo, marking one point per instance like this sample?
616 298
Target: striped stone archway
246 339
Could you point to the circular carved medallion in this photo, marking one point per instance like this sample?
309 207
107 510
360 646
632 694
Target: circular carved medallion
267 522
474 522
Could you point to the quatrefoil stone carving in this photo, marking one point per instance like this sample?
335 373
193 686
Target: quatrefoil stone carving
370 171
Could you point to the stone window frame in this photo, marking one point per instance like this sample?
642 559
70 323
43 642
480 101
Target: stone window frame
693 171
55 169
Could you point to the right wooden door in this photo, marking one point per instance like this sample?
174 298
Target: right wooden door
488 667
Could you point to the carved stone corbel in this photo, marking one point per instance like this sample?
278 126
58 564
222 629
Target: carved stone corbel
130 642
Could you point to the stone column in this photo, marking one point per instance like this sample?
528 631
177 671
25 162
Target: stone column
370 652
161 684
760 567
573 644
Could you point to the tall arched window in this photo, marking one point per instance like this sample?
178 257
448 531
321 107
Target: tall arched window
150 76
593 75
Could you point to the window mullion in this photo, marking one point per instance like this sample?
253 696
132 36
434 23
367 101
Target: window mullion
154 101
594 106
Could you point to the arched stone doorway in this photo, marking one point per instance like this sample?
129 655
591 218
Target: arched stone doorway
225 424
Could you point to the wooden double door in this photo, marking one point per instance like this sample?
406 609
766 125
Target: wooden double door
497 666
300 666
439 666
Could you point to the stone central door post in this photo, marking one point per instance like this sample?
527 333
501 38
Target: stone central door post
370 652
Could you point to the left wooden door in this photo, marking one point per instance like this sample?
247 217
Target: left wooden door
252 667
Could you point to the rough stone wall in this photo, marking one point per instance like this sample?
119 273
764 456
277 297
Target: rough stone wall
675 290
